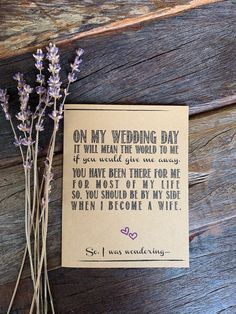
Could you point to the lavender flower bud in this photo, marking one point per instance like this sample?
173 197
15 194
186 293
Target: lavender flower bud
23 115
28 89
19 77
20 81
78 60
54 92
40 90
40 79
18 142
52 54
52 50
75 66
23 127
39 65
27 142
54 81
4 103
39 126
20 116
54 68
39 55
23 91
72 77
79 52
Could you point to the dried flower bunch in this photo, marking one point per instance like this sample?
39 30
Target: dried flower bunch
38 177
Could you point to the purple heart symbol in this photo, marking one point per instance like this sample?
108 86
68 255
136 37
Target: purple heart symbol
133 235
125 230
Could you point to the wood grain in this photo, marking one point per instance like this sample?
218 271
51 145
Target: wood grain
212 137
33 23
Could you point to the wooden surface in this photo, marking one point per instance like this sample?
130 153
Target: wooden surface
166 52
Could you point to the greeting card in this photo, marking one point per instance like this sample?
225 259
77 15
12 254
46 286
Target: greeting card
125 186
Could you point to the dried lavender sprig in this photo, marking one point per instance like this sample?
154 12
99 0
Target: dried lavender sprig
27 120
54 68
72 77
39 113
56 115
26 127
54 92
75 66
4 100
40 78
23 91
54 81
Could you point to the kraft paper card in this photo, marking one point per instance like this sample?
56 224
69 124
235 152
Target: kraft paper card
125 186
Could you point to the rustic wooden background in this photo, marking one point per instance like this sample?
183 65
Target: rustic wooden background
137 51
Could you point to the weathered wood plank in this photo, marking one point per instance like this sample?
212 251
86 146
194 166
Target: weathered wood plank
212 150
208 286
26 24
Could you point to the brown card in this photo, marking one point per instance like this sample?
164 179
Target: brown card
125 186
